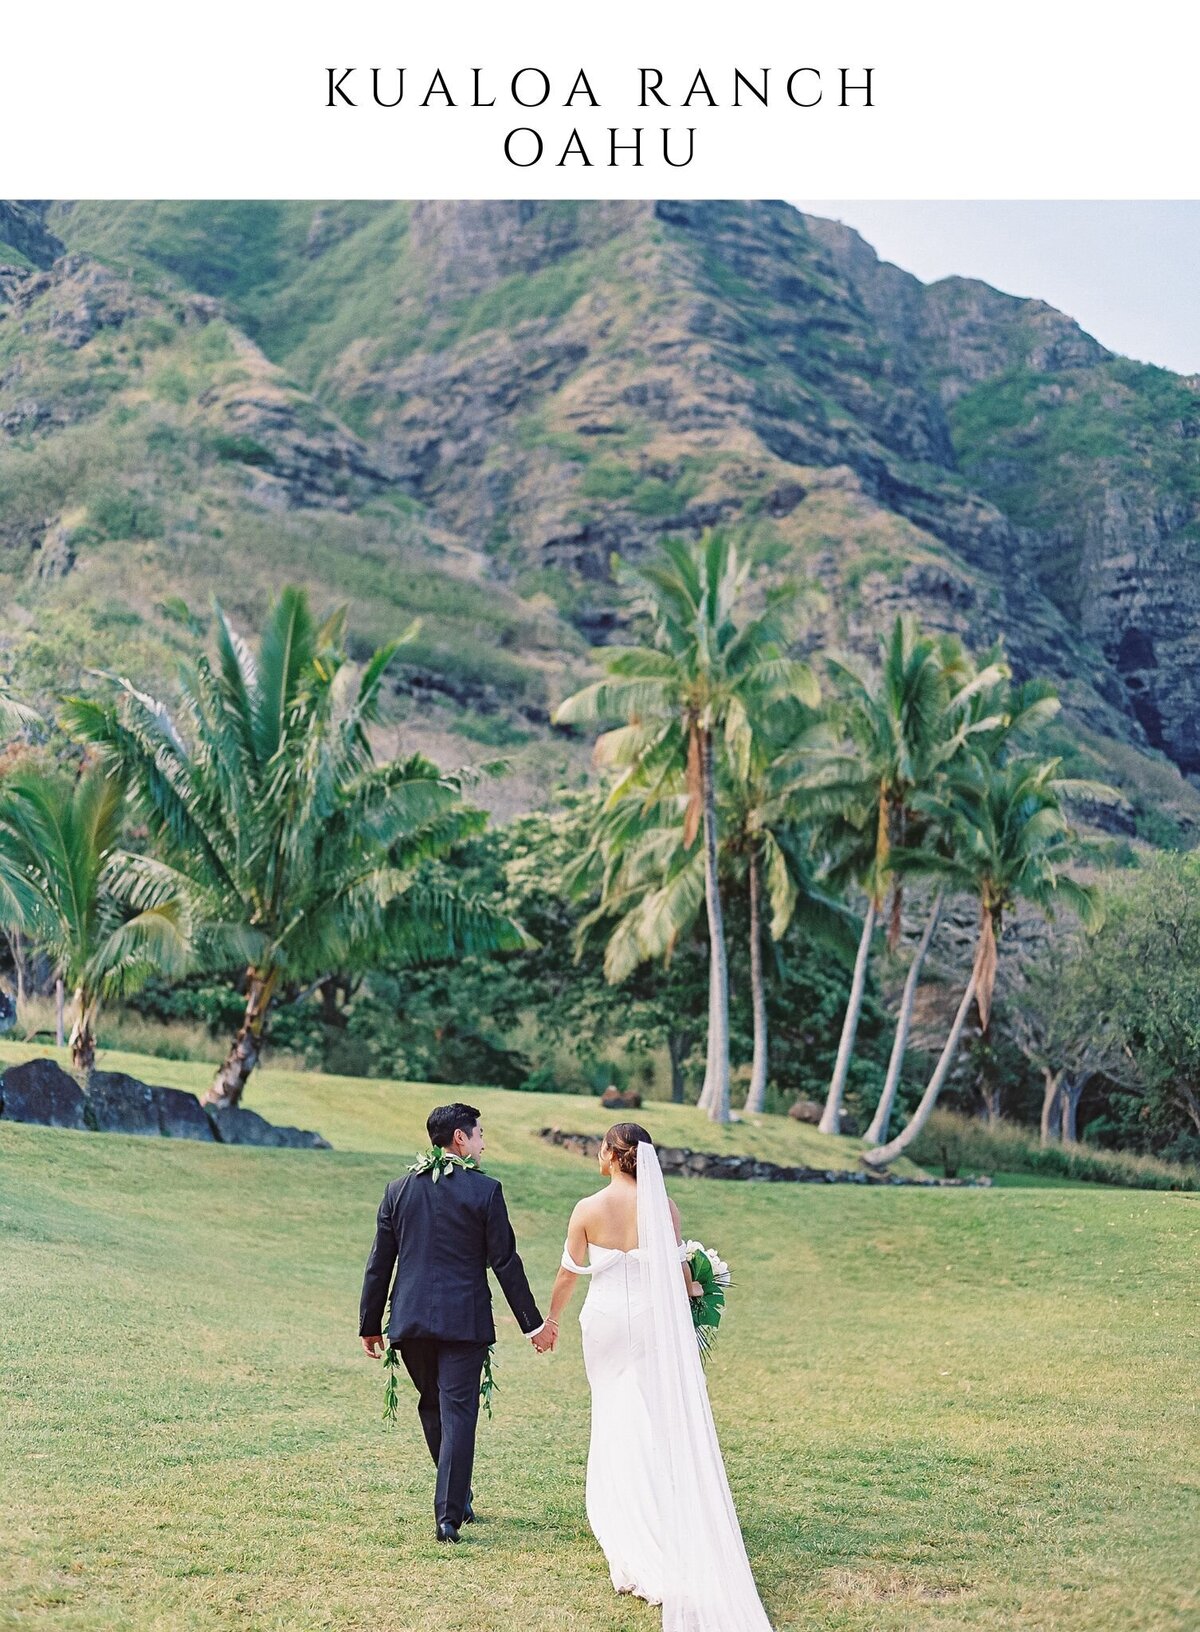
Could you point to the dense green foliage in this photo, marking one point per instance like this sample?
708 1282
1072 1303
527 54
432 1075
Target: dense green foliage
1125 1005
366 903
548 1018
959 1146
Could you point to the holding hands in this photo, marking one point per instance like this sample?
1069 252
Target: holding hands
545 1340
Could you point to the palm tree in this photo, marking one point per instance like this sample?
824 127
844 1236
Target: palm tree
903 731
694 687
305 852
774 855
878 1130
999 718
654 888
107 920
1011 843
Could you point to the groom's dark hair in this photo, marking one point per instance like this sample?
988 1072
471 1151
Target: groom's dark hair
443 1120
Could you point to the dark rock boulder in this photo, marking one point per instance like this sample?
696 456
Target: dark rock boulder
41 1091
181 1116
237 1127
613 1100
116 1103
808 1110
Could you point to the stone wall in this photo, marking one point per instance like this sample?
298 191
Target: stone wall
679 1160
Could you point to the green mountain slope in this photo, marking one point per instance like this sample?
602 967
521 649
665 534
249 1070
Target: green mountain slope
467 408
152 454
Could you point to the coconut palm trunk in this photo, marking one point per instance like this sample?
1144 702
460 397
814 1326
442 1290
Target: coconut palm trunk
831 1116
896 1147
246 1050
60 1003
718 966
878 1131
756 1098
83 1032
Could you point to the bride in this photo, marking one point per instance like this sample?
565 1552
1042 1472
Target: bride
657 1498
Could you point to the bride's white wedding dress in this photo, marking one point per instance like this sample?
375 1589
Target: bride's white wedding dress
657 1497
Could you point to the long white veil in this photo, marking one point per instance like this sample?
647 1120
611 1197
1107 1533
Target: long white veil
708 1586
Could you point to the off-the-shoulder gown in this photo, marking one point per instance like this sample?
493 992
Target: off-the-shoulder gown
621 1493
678 1547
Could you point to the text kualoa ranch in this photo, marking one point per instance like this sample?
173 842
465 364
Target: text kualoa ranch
804 87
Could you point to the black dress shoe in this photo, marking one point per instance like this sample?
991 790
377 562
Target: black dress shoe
468 1515
447 1532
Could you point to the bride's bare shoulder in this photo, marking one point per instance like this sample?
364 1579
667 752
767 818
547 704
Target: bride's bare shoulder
588 1206
590 1212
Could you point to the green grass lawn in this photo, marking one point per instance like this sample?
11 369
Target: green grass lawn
940 1409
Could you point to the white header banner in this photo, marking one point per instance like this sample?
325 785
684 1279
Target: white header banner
937 99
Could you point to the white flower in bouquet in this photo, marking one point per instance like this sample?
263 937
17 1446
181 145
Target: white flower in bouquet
710 1276
720 1267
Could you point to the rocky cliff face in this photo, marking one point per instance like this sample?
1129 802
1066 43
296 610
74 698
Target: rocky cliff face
1094 458
535 386
740 365
23 229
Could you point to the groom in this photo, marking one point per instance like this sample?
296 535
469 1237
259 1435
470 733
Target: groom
442 1236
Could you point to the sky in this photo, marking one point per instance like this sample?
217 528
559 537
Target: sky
1127 271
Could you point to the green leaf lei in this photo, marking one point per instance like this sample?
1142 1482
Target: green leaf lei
391 1384
437 1164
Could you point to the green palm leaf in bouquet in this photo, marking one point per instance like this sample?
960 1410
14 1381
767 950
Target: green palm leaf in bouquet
711 1275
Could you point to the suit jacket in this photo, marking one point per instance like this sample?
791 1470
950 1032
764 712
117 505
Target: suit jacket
442 1238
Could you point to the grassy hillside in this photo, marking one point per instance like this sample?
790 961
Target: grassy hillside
154 455
917 1394
463 410
356 1113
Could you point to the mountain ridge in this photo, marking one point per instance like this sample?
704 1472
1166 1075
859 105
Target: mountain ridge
530 388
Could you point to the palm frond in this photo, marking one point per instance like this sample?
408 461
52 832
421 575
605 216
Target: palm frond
14 715
618 698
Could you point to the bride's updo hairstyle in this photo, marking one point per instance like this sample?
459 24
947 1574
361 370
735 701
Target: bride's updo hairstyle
622 1140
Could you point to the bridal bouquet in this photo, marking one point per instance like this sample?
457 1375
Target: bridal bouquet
711 1274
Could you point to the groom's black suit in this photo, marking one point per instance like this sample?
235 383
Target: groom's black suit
442 1237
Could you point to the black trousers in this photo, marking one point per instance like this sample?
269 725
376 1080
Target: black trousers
447 1379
